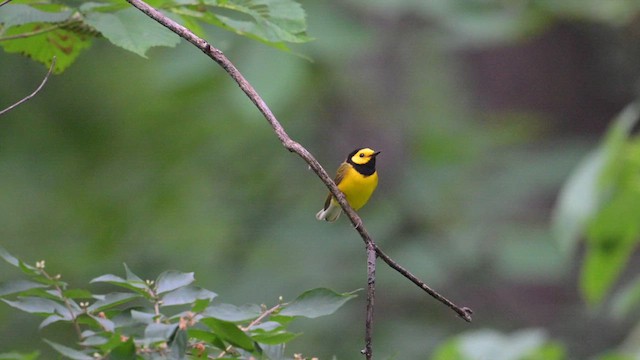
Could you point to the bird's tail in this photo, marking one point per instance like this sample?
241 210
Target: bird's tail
331 213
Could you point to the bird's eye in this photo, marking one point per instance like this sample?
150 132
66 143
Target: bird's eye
361 155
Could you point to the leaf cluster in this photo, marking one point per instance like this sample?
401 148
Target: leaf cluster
165 318
601 203
44 29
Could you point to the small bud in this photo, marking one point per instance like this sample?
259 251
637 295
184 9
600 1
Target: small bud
102 315
280 299
40 265
57 277
149 282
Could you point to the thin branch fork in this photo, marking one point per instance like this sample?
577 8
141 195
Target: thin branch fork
28 97
373 250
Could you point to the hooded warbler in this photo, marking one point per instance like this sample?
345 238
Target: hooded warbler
357 179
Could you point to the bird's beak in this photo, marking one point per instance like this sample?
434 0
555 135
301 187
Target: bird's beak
375 154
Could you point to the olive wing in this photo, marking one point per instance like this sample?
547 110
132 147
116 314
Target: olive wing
342 170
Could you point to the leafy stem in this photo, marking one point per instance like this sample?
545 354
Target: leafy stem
55 282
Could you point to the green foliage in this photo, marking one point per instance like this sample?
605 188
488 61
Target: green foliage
168 317
42 30
489 344
601 202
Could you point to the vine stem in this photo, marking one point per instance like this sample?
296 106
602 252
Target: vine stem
372 249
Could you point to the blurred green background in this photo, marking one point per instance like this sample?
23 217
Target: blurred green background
481 110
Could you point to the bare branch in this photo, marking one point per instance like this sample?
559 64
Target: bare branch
28 97
293 146
5 2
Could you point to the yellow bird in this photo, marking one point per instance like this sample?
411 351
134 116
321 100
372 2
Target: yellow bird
357 179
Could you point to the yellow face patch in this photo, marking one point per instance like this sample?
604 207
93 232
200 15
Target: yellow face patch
362 156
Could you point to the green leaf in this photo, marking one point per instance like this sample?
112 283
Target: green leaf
450 350
206 336
186 295
229 332
27 269
19 286
229 312
135 285
171 280
549 351
131 276
125 351
178 344
20 356
132 30
583 194
52 319
578 201
104 323
273 20
490 344
316 302
36 305
20 14
142 317
77 294
275 338
611 236
159 332
65 45
9 258
110 300
69 352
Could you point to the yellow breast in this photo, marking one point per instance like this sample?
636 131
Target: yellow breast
358 188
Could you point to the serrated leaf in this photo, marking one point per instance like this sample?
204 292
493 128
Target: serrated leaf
316 302
65 45
18 286
171 280
273 20
230 333
69 352
110 300
229 312
132 30
36 305
20 14
186 295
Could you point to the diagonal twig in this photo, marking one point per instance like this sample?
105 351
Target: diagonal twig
372 249
28 97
